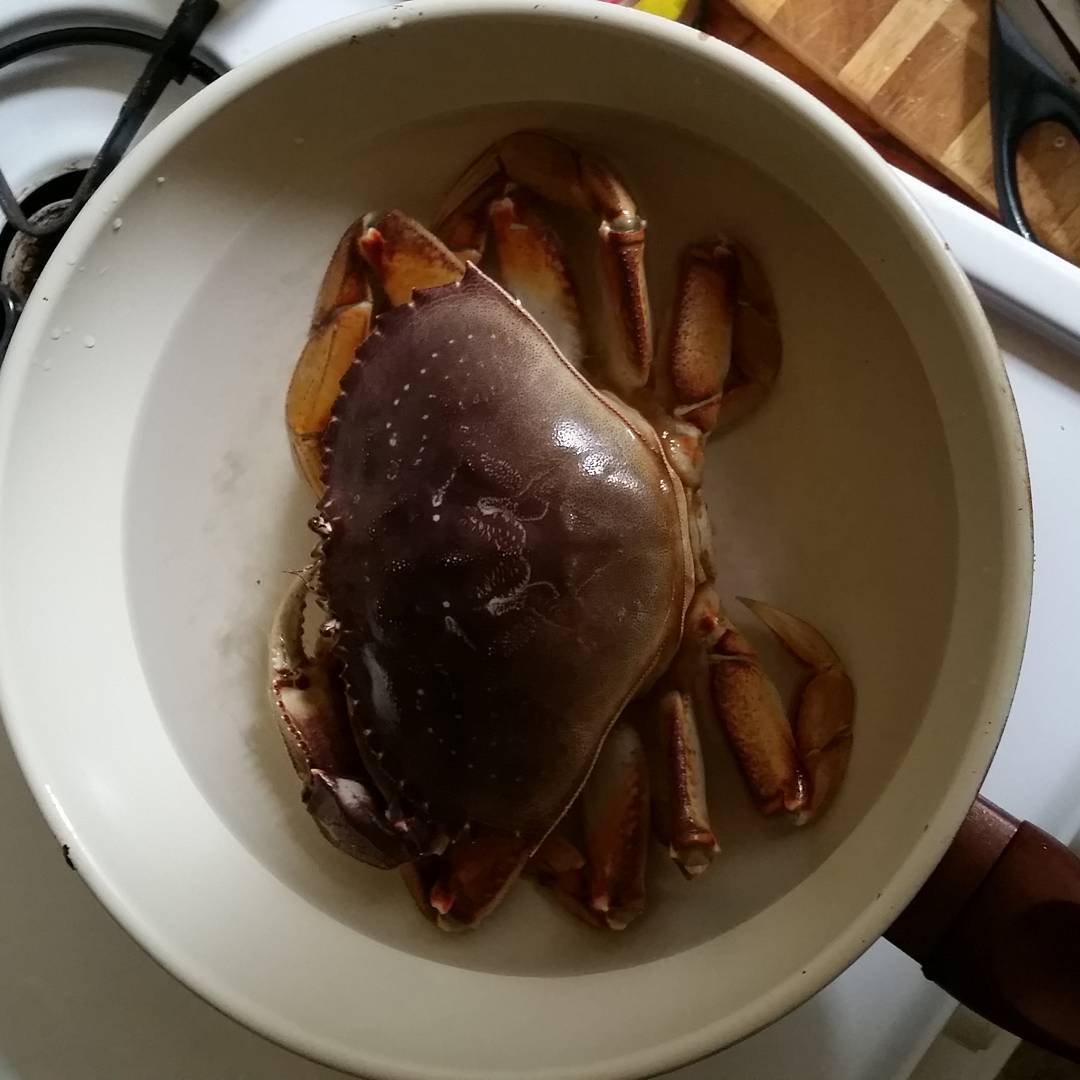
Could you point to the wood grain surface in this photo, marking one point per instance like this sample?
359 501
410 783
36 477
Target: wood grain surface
913 77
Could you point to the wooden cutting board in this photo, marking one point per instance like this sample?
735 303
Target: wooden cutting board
920 69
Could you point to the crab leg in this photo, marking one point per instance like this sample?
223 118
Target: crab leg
723 355
339 324
798 770
403 256
532 267
616 810
724 344
606 886
563 175
679 803
338 793
757 728
826 707
461 887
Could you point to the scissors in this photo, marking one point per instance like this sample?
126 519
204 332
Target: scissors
1034 76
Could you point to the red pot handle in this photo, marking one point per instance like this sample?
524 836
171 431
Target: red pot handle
997 925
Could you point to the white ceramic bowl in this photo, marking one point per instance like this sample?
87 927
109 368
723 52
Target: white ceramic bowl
148 509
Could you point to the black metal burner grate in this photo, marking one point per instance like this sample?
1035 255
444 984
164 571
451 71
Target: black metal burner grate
35 226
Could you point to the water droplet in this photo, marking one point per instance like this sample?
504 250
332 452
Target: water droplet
89 341
54 334
160 180
118 224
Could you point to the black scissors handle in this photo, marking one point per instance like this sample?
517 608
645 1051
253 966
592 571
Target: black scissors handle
1024 90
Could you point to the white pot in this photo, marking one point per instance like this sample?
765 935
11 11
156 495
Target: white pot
148 507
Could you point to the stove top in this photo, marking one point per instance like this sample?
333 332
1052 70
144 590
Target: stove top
80 999
76 90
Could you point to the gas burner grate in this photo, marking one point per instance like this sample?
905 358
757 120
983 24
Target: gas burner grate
170 60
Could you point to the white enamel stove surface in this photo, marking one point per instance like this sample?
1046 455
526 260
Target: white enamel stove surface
79 999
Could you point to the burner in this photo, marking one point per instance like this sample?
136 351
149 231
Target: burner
22 254
55 191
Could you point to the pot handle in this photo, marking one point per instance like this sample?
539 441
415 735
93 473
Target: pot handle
997 925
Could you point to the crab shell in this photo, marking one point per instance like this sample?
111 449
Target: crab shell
506 559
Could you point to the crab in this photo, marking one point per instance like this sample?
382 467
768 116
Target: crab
521 630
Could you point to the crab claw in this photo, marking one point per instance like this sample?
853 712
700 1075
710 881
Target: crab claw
757 728
337 791
826 710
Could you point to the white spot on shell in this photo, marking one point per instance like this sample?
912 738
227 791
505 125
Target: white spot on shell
469 336
397 401
446 603
450 342
435 517
434 356
393 440
423 371
406 386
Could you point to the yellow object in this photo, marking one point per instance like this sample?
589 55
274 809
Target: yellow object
669 9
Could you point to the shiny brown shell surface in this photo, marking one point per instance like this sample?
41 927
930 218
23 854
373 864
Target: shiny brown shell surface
506 555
